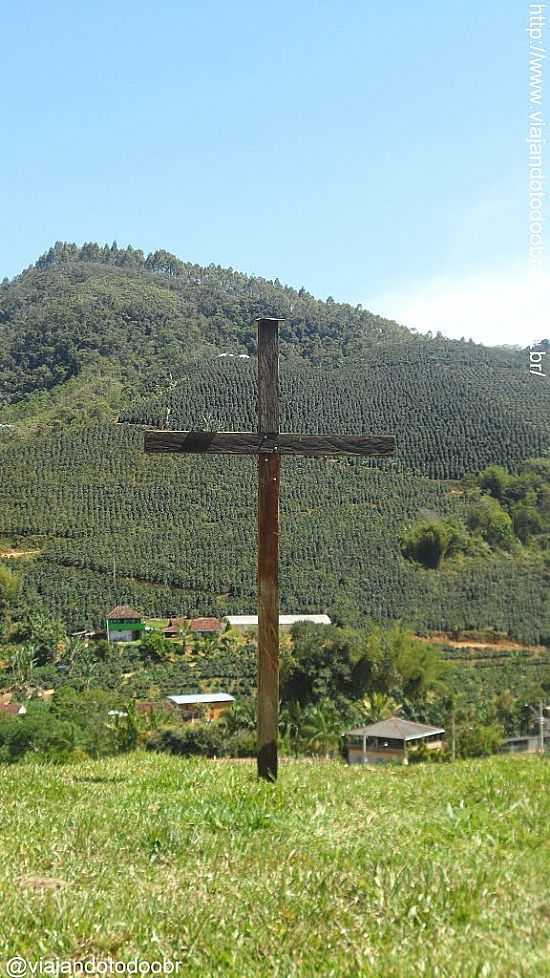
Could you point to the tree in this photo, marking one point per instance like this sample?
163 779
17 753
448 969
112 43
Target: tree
73 649
419 665
241 716
487 517
39 733
322 728
526 521
22 663
10 586
154 646
48 636
377 706
429 541
383 676
291 722
126 728
325 662
93 713
494 480
475 739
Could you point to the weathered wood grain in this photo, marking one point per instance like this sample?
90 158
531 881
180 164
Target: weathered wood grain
268 550
256 443
268 614
268 375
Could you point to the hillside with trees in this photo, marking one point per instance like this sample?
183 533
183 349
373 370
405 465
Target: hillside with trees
150 316
97 342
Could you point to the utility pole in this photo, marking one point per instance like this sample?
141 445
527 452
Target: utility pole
537 714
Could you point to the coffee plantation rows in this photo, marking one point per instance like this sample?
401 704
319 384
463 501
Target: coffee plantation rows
89 330
181 532
450 418
478 678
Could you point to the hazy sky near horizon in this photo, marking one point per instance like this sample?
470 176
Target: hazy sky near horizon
370 152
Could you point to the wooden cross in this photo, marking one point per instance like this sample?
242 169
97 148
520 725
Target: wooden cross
268 443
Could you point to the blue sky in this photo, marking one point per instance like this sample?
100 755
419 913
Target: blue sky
371 152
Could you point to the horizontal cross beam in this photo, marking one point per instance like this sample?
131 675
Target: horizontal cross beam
257 443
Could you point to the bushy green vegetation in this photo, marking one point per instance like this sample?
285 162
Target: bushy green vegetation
445 425
427 870
331 679
75 725
504 511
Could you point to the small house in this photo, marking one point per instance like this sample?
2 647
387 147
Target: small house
194 706
390 740
245 622
205 626
201 626
124 624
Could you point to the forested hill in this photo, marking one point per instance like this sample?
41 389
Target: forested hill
136 319
155 314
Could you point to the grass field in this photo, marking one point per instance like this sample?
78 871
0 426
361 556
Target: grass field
421 872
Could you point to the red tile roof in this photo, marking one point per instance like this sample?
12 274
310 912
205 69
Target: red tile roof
12 709
195 624
205 624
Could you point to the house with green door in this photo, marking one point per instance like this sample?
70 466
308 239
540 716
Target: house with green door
124 624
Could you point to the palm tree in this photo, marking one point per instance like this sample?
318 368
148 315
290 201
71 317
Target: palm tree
22 663
322 728
230 640
210 644
88 666
73 648
377 706
10 586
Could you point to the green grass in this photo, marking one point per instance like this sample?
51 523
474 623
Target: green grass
426 872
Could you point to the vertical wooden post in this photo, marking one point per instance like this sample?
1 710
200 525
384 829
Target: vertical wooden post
268 551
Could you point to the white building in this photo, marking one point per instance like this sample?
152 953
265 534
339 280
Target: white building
191 706
245 622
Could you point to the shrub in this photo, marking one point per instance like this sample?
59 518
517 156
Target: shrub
200 739
487 517
479 740
39 733
104 724
430 541
241 744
